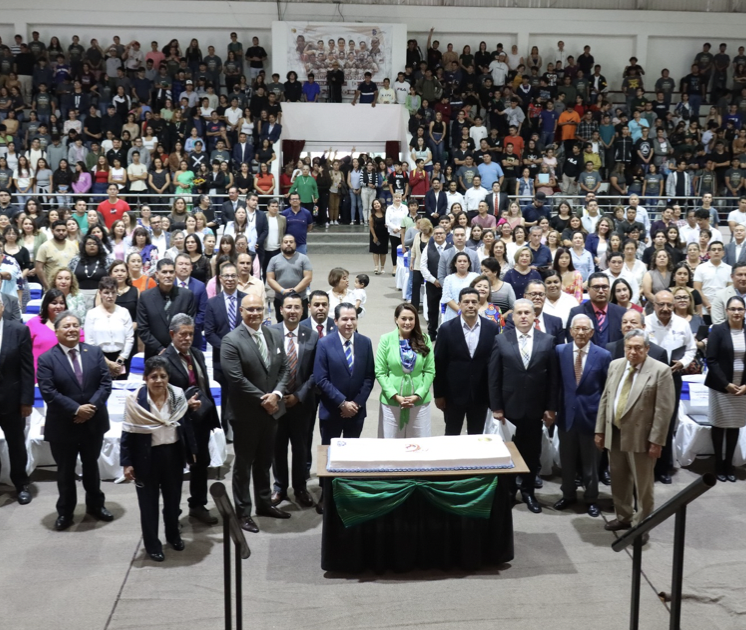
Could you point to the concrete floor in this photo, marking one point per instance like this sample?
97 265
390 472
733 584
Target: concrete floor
565 576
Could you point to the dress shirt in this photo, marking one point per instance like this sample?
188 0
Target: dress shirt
426 275
163 434
737 249
530 343
455 198
1 335
471 335
78 358
624 378
253 333
473 196
675 336
160 242
583 351
285 332
111 333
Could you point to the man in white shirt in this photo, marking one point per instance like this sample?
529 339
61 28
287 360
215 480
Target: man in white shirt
561 54
499 70
429 269
738 278
674 335
158 237
641 214
453 196
474 195
401 87
690 227
617 269
478 131
702 217
386 94
738 216
713 275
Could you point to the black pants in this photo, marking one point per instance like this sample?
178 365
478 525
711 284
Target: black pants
433 295
323 204
475 419
340 427
724 463
164 477
278 306
527 438
254 445
292 428
66 457
664 464
198 469
265 263
573 446
14 427
309 436
394 242
416 288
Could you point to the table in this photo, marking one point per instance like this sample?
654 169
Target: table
693 439
417 534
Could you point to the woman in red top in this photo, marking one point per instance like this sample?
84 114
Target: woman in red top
100 178
419 180
286 179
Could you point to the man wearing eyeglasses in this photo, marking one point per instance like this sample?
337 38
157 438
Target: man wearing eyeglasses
674 335
607 317
536 291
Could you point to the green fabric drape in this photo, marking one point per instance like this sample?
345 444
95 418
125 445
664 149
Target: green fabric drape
360 500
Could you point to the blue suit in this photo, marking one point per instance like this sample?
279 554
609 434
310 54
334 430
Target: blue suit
337 384
576 417
197 287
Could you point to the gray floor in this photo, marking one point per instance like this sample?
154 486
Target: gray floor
564 576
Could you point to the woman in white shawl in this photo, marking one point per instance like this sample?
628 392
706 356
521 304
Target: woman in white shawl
156 441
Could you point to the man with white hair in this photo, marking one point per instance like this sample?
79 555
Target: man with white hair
583 367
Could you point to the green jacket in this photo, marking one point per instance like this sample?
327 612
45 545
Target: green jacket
390 374
307 190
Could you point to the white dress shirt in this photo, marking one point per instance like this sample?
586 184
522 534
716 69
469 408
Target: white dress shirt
471 335
675 336
473 196
426 275
456 197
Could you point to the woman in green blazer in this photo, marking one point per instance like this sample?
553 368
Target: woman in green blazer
405 368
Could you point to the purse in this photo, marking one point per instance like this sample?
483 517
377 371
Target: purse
206 408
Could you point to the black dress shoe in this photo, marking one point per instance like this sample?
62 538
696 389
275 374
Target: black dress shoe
563 503
24 495
729 477
273 512
605 478
304 498
277 498
538 482
63 522
202 514
157 556
177 544
320 507
248 525
593 510
666 478
722 477
101 514
616 525
532 503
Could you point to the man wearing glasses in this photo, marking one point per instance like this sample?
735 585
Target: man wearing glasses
536 291
606 317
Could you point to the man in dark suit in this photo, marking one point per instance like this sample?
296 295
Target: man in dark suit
461 357
183 266
318 319
300 402
221 317
523 384
75 383
583 367
735 251
497 201
634 320
188 369
16 397
607 317
229 207
436 203
243 151
259 218
536 291
157 306
256 368
11 309
344 372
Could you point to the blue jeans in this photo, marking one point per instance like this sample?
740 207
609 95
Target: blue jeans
356 207
547 138
302 249
695 102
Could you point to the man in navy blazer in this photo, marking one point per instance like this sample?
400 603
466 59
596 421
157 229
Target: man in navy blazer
436 203
272 131
583 367
75 383
607 317
536 291
243 151
229 207
184 280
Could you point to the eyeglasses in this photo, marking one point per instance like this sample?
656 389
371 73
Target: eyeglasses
582 329
536 294
232 276
736 310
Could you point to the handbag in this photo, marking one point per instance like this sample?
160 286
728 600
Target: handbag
205 409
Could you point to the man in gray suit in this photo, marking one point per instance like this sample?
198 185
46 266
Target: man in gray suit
738 277
300 402
257 372
735 251
11 309
459 245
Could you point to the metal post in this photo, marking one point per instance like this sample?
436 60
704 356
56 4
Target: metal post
227 572
678 567
239 603
634 615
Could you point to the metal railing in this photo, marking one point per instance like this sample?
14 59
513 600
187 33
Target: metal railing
675 506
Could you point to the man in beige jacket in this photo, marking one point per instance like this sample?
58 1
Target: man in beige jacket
634 413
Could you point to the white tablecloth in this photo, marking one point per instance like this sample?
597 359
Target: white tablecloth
694 439
549 444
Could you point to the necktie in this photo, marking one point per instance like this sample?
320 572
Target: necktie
190 370
578 367
524 351
320 329
292 361
167 302
623 396
76 367
601 319
348 354
262 345
536 324
231 312
184 284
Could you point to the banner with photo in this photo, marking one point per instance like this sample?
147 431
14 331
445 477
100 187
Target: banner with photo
357 48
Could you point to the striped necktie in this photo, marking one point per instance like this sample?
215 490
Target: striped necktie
292 361
231 312
348 354
261 344
524 351
601 319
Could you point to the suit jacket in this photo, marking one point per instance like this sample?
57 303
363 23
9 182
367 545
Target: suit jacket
616 348
523 393
198 289
226 210
274 135
178 377
63 394
649 408
242 153
216 324
305 347
431 206
16 368
334 379
720 358
578 402
460 378
153 320
248 377
730 254
502 203
330 325
717 304
612 330
552 324
12 312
